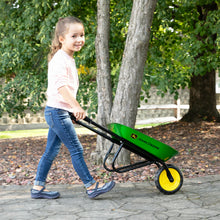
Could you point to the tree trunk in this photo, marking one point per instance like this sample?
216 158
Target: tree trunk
104 88
202 91
127 96
202 99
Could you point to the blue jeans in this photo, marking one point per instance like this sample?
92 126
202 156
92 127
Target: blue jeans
61 129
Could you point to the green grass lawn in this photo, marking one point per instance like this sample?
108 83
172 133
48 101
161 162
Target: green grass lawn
35 133
23 133
43 132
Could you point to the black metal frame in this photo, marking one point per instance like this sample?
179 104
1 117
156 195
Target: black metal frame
122 143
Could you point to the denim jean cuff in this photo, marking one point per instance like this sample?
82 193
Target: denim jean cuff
39 183
89 183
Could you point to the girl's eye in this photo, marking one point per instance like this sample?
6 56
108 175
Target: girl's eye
81 35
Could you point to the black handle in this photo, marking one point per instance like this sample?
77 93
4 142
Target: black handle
74 118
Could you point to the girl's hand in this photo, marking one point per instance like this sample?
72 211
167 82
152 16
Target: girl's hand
79 113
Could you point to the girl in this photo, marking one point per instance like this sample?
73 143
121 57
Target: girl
69 37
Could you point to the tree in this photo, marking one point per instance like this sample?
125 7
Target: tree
26 28
104 86
124 107
202 88
185 52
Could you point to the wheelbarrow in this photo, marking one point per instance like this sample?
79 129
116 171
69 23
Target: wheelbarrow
168 178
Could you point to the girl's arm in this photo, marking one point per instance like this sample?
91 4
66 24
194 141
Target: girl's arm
78 112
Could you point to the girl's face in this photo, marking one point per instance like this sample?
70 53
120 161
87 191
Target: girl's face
74 39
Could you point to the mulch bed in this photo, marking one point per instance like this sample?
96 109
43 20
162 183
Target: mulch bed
198 145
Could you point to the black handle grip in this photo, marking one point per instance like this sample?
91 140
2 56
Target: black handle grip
72 117
87 119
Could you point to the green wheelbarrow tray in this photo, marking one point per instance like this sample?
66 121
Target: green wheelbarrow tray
151 145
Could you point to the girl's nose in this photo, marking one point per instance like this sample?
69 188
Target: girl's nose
80 38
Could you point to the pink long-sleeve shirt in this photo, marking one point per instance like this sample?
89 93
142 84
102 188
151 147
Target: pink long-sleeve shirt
61 72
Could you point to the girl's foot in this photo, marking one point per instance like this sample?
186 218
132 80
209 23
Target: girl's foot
94 192
39 192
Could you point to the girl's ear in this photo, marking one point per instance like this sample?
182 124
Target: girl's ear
61 39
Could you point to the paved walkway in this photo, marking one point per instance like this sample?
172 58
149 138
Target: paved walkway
199 198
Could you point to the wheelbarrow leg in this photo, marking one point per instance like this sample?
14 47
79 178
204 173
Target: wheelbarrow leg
114 159
106 157
116 155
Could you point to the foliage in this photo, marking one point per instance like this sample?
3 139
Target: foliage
26 28
88 95
182 44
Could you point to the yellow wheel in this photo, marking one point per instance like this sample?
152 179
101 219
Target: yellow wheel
163 183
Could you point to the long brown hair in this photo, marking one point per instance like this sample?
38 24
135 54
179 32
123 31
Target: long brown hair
61 29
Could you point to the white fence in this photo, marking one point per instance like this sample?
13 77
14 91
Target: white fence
157 110
176 112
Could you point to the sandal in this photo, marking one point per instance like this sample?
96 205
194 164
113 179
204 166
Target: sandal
41 194
92 193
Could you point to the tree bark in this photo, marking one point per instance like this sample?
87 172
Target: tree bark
202 99
104 88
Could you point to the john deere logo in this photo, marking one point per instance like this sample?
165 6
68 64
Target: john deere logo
134 136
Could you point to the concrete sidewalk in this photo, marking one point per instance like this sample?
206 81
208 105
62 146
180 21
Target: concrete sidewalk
199 198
